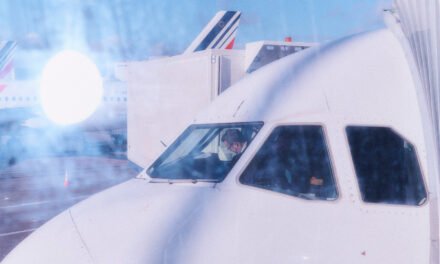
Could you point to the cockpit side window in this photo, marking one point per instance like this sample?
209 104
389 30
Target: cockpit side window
386 166
294 160
204 152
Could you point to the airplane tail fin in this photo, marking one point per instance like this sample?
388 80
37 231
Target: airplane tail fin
219 33
6 54
6 64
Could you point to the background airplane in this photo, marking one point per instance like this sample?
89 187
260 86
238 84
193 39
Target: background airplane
21 113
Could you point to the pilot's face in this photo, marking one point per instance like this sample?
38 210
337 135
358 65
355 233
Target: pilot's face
235 147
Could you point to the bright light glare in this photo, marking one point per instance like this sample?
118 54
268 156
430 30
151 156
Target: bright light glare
70 88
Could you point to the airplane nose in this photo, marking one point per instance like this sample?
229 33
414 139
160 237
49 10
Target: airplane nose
48 244
134 222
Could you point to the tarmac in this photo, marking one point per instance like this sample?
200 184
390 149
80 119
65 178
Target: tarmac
32 191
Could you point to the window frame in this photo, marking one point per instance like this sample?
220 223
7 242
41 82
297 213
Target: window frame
169 150
356 179
260 140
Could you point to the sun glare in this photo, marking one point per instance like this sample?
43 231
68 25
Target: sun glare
70 88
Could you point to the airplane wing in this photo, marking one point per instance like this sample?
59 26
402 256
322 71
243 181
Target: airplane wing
219 33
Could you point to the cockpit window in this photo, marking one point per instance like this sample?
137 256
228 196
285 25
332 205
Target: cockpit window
204 152
294 160
386 166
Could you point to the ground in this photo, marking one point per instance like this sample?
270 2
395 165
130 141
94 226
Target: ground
34 190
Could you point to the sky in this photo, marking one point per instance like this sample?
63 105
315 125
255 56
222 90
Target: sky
115 30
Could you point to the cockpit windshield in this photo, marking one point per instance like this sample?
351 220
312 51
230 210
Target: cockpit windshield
204 152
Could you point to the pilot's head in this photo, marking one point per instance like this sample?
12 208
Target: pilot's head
233 140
